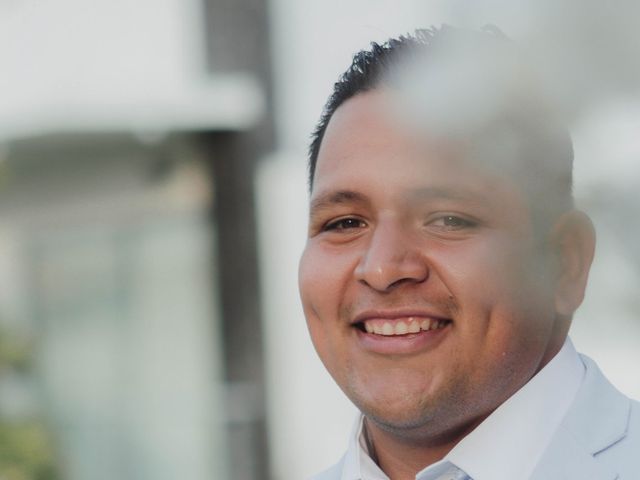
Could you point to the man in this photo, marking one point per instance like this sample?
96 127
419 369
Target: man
439 281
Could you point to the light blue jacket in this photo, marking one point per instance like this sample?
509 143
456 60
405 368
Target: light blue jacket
599 438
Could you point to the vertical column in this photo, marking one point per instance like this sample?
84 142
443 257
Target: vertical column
232 172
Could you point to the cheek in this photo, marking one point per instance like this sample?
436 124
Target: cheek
486 271
505 299
501 300
323 280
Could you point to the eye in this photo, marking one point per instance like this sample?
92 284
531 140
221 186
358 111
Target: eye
343 224
452 223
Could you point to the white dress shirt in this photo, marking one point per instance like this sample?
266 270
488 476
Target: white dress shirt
508 444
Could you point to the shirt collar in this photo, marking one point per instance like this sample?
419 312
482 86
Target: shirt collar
507 444
358 465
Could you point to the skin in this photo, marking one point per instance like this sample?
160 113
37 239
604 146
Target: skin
398 224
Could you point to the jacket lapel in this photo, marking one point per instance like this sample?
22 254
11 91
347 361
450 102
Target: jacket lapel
596 421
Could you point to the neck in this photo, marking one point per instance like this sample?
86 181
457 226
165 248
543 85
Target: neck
401 458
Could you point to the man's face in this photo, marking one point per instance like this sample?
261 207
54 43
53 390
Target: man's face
425 291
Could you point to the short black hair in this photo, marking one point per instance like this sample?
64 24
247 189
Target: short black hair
366 72
375 66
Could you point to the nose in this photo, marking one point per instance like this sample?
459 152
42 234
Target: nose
392 257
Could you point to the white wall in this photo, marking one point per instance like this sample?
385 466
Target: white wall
113 65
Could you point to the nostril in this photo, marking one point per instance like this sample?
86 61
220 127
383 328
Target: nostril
406 280
387 284
392 258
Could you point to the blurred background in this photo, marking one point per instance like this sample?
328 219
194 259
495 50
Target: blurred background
153 209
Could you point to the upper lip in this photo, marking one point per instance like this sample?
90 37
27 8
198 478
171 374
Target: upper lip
392 314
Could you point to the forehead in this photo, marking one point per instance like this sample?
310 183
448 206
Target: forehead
368 146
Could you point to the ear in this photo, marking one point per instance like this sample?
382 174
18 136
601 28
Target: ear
573 238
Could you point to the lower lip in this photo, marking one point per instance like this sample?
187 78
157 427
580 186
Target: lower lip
411 343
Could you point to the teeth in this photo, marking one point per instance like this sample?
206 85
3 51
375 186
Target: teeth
402 327
414 327
387 329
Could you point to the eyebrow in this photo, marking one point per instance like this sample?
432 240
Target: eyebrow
337 197
341 197
447 193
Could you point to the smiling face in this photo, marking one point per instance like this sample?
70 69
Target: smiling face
426 293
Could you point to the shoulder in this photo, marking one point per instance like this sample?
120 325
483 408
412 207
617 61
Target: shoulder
613 423
599 436
332 473
625 454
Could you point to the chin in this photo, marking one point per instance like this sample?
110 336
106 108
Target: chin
425 425
406 411
397 414
401 422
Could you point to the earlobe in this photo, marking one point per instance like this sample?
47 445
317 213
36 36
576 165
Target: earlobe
573 237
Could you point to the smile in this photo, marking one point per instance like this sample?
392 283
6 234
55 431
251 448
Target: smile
401 334
395 327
